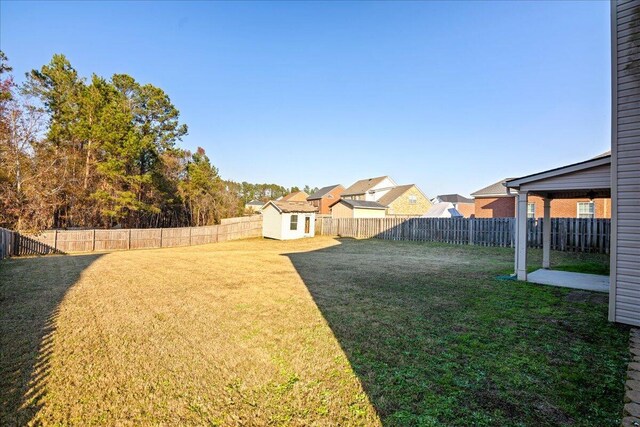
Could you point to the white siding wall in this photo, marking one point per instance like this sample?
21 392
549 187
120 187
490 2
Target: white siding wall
368 213
595 178
380 189
271 223
288 234
625 163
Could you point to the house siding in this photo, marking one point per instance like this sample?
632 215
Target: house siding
342 210
593 178
625 163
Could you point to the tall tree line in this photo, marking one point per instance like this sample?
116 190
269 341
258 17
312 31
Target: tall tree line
103 153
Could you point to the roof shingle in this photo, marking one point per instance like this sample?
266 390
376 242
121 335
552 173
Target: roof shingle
292 207
495 189
323 192
364 185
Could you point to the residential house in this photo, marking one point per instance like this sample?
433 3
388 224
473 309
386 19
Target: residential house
496 201
624 294
325 197
464 205
296 196
284 220
370 189
405 200
348 208
254 205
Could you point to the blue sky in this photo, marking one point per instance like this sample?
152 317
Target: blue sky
451 96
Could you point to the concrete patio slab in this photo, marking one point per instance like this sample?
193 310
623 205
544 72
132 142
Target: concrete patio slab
567 279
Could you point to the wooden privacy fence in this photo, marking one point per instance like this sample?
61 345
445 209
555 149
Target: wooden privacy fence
6 243
567 234
63 241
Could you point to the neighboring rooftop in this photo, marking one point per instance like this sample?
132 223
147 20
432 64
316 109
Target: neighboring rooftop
296 196
255 203
442 210
393 194
495 189
362 186
292 207
454 198
362 204
323 192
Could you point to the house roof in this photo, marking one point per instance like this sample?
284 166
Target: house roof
454 198
255 203
360 204
496 189
394 193
298 196
323 192
601 160
291 207
362 186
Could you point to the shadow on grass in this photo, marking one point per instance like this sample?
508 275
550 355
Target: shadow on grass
31 290
436 340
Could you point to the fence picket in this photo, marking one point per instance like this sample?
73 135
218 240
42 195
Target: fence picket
567 234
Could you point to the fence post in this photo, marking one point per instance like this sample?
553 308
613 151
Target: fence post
93 244
471 240
129 240
190 244
55 240
161 233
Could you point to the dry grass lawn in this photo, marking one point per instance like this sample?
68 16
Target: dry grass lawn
307 332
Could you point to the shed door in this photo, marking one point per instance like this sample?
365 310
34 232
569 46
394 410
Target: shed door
307 224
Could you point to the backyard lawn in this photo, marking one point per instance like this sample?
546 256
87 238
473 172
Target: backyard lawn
309 332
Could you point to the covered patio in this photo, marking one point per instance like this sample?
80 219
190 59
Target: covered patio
589 179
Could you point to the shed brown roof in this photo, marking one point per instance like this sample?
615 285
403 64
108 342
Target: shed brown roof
293 207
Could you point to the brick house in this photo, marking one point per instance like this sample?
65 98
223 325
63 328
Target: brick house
325 197
405 200
464 205
495 201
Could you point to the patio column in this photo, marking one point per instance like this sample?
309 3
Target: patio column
546 234
521 234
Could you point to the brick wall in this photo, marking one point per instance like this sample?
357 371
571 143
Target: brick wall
326 200
401 205
466 209
504 207
495 207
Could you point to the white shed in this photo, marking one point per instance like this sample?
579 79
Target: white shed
288 220
442 210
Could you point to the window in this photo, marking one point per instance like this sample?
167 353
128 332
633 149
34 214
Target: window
413 200
294 222
531 210
586 210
